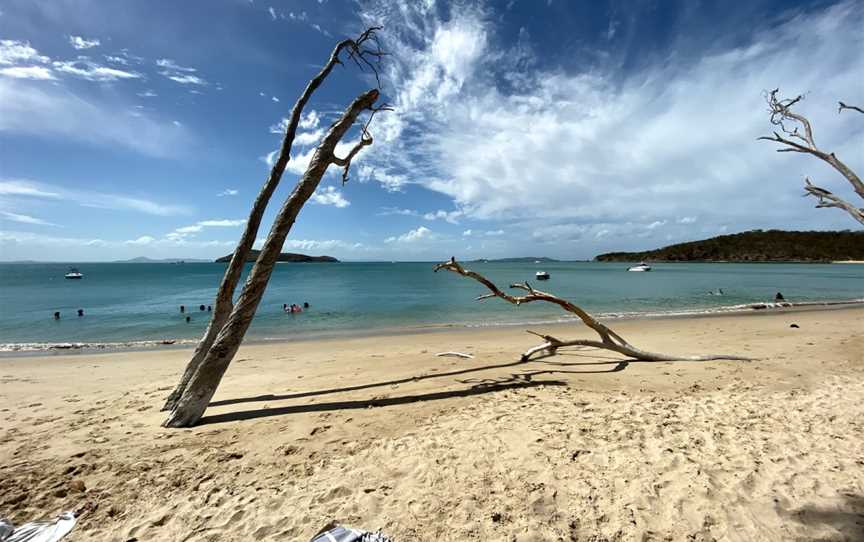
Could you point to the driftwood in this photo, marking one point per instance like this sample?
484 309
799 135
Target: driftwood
609 340
798 137
454 355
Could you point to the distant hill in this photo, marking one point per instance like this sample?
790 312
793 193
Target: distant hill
526 259
756 246
144 259
284 257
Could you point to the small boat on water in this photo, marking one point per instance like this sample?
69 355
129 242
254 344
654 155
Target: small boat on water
541 275
640 268
74 274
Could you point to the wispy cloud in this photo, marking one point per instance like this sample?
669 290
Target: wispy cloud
25 219
228 192
179 74
26 188
28 72
15 187
87 69
49 111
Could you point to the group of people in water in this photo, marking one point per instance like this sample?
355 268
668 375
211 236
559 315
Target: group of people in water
57 314
294 308
202 308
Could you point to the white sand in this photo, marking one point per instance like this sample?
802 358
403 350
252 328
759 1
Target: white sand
575 447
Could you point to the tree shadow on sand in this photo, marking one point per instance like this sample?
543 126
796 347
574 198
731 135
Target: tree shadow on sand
477 386
847 518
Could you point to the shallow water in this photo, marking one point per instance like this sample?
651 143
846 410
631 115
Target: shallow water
137 302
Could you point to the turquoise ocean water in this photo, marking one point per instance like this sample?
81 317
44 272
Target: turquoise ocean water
139 302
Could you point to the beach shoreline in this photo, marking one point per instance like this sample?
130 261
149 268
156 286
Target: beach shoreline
36 349
381 433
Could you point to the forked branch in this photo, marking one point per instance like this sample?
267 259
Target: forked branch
609 340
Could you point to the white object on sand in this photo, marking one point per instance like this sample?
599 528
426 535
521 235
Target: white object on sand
455 355
38 531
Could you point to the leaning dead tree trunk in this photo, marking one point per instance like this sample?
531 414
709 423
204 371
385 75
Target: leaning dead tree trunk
789 124
358 51
609 340
203 383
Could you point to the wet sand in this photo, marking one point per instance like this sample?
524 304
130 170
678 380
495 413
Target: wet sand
378 432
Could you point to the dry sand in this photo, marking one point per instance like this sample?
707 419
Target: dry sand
379 433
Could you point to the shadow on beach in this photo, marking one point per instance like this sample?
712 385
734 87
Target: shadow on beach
477 386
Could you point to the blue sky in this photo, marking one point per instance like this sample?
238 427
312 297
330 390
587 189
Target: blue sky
553 128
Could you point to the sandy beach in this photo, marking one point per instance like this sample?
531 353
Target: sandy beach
378 432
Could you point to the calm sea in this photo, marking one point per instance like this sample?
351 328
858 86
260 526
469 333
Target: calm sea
140 302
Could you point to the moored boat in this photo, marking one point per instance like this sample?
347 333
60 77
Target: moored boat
640 268
74 274
541 275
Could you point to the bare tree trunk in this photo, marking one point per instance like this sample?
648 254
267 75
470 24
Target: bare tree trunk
609 340
202 385
225 297
781 115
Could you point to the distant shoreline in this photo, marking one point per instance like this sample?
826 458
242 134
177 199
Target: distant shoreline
8 350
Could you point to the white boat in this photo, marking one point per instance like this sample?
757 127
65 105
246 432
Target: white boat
74 274
640 268
541 275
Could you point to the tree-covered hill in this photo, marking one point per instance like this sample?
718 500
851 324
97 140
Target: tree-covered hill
756 246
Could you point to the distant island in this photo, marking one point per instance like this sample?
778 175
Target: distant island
526 259
144 259
283 257
756 246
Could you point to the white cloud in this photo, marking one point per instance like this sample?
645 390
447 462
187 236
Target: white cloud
272 13
16 52
275 99
330 196
467 233
494 233
308 138
308 120
387 211
147 94
143 240
25 219
448 216
613 147
28 72
117 59
81 43
185 79
686 220
228 192
411 236
329 244
222 223
91 71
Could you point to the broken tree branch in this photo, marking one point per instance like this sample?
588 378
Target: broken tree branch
609 340
782 116
843 106
828 199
